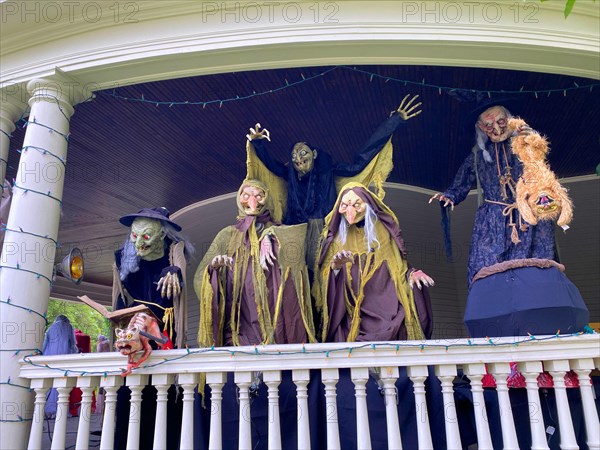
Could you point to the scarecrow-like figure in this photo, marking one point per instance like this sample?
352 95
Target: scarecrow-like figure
499 233
253 282
150 270
364 285
310 183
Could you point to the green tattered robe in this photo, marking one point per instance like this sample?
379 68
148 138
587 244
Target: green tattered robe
246 305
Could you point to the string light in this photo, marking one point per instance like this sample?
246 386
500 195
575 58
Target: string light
8 135
52 130
29 310
45 194
38 275
20 230
277 352
371 76
43 151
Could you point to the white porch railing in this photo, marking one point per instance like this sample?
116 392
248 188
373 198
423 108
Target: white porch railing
558 354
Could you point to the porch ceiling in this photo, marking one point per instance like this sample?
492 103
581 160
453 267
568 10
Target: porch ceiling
125 155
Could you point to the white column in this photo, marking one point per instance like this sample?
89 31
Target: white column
111 385
558 369
13 101
272 380
188 382
243 380
446 373
360 376
330 378
301 379
216 380
162 383
475 372
531 370
63 387
509 433
40 386
389 375
27 258
136 383
418 374
582 368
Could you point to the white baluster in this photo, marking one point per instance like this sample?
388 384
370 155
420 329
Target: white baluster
243 380
162 382
360 376
136 383
531 370
389 375
216 380
446 373
558 369
188 382
272 380
63 386
301 379
87 386
475 372
40 386
110 384
509 433
582 368
418 374
330 378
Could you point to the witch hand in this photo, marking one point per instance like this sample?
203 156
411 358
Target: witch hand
418 277
407 110
342 258
442 198
169 285
257 133
267 257
221 261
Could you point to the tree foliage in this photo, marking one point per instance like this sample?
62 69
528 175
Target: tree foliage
81 316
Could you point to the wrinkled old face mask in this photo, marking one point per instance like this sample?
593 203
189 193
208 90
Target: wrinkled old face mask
494 123
303 158
148 237
352 207
252 200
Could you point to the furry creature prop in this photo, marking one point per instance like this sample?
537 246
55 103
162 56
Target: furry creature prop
539 194
130 342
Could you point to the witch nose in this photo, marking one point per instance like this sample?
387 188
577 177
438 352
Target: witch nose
252 202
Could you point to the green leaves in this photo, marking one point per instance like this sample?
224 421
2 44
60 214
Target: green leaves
568 6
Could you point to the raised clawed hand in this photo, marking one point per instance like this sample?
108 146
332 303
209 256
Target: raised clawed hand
222 261
267 257
169 285
442 198
407 111
342 258
419 277
257 133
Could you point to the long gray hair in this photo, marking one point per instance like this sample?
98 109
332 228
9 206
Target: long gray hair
130 261
370 233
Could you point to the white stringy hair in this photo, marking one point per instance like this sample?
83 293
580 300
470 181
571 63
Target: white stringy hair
370 233
130 261
482 138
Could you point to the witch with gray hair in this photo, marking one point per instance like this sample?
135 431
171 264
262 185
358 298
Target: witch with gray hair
150 269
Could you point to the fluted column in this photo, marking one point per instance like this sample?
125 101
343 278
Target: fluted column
13 101
29 246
